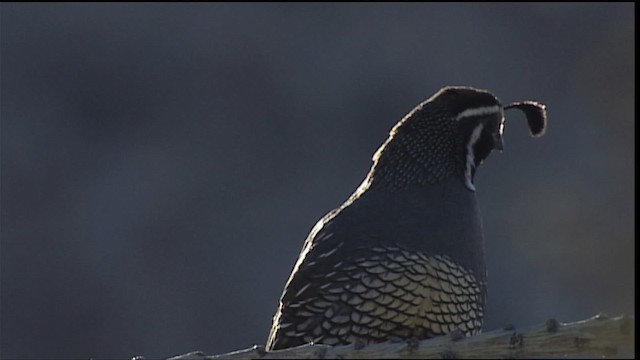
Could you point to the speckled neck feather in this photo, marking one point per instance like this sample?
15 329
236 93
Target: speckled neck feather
417 152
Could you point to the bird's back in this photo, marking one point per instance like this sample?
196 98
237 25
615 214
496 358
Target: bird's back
406 263
403 257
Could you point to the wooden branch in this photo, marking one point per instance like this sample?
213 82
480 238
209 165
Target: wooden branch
597 336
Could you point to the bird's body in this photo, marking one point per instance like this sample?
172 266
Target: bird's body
403 257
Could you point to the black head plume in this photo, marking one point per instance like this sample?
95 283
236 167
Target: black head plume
536 114
449 134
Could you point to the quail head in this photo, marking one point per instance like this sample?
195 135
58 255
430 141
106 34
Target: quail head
403 256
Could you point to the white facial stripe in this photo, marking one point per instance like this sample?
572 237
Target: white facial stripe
475 135
480 111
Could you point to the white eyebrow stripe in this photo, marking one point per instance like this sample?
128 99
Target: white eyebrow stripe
480 111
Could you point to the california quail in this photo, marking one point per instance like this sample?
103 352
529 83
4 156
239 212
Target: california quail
403 257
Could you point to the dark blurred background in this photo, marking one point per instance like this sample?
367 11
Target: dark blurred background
162 164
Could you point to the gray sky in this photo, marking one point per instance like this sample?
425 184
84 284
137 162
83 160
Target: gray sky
161 164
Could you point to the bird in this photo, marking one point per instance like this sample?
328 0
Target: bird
403 256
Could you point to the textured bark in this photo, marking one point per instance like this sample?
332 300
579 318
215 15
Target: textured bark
597 336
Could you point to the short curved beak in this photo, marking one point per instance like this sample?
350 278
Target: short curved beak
497 141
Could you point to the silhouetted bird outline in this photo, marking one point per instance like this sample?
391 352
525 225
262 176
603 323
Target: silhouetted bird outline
403 257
